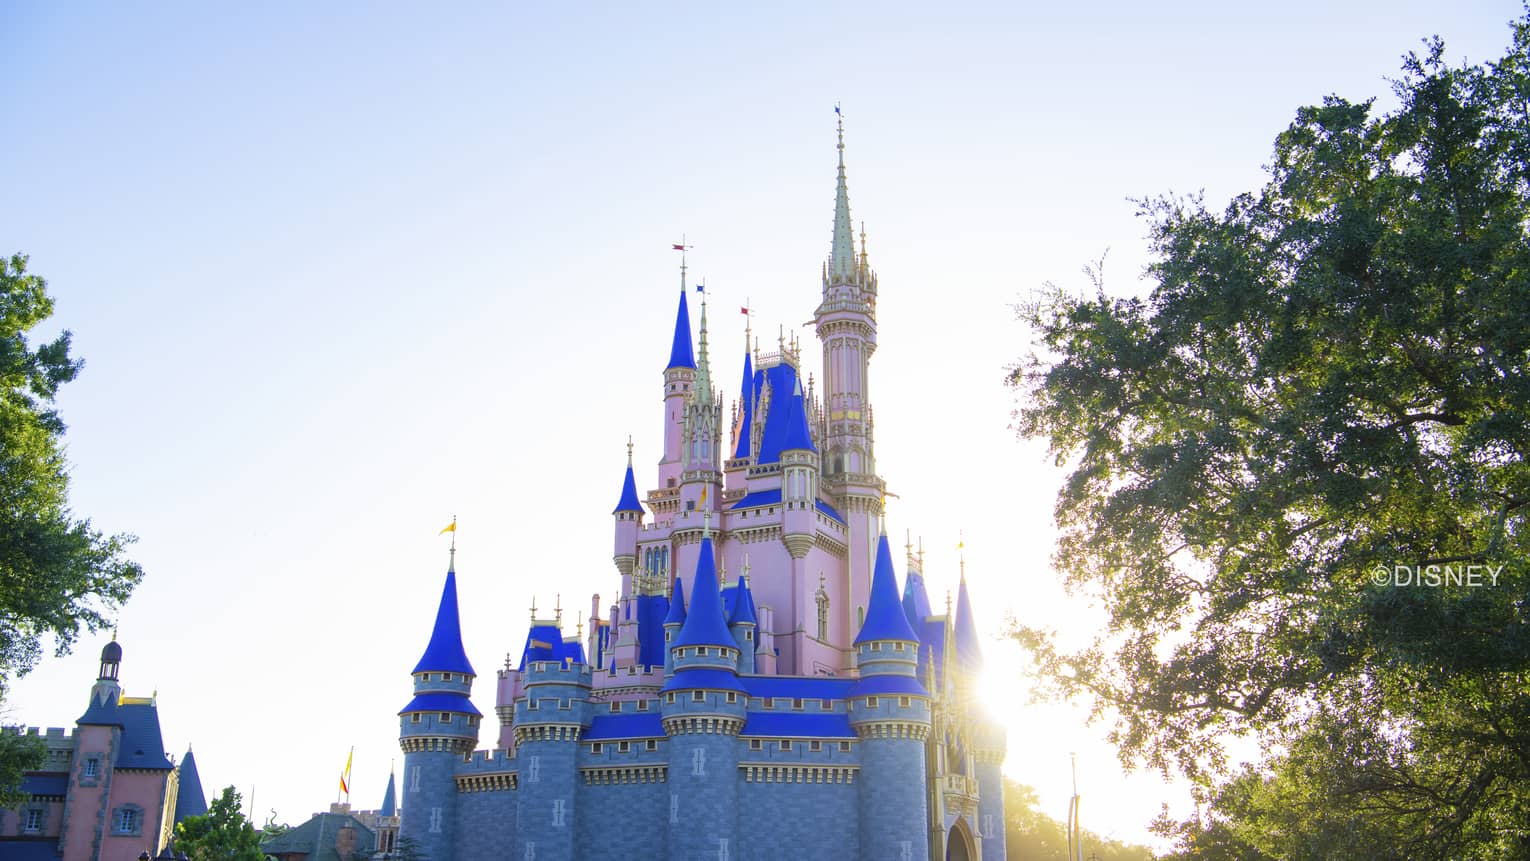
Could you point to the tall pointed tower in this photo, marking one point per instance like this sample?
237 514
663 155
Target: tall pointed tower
679 378
846 324
436 730
701 436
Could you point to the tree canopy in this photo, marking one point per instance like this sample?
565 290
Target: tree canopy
221 834
57 574
1326 393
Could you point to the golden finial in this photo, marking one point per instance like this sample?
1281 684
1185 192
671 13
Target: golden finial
533 608
579 626
629 449
948 603
558 610
508 661
921 552
961 552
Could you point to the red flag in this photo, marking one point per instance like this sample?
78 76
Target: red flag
744 311
678 247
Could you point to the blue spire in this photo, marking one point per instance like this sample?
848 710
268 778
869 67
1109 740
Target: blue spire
390 799
629 500
190 800
445 653
884 615
705 625
746 397
786 426
916 602
968 649
743 605
797 433
676 604
680 355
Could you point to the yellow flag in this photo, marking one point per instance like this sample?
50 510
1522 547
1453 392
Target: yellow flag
345 776
703 496
450 527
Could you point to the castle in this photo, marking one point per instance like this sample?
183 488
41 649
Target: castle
106 791
802 708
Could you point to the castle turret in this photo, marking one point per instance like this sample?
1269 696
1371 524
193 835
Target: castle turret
701 477
436 729
106 687
890 712
629 519
548 722
988 744
672 624
744 623
743 425
190 800
703 712
679 378
846 324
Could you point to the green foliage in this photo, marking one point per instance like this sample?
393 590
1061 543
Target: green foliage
19 753
1330 378
57 574
1031 835
408 849
222 834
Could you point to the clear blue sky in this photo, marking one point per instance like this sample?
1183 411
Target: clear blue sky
339 272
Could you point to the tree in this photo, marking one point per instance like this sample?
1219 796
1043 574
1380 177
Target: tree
1298 481
221 834
408 849
19 753
57 573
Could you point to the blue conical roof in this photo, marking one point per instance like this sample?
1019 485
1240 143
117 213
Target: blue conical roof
786 426
916 602
704 624
743 605
445 653
968 649
680 355
629 500
884 614
797 433
676 605
746 416
190 799
390 799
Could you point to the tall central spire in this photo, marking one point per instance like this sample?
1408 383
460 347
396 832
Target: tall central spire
703 367
842 260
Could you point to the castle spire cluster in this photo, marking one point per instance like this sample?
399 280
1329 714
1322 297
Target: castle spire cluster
808 689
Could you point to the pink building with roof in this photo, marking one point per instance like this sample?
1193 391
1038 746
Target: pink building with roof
107 791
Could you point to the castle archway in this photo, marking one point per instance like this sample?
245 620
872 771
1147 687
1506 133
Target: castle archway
959 845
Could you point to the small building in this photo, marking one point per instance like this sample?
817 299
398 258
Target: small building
337 835
107 791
